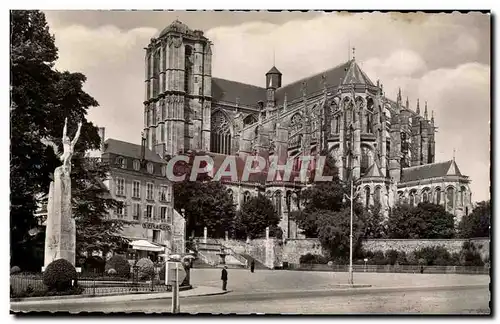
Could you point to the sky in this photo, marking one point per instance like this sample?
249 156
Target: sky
443 59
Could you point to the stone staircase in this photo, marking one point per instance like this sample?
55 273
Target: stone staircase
209 255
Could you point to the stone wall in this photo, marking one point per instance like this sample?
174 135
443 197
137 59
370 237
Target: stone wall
293 249
452 245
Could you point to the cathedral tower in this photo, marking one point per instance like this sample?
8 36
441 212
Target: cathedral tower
178 91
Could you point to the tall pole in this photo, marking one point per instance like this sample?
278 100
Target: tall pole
351 281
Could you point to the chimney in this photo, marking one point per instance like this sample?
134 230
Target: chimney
102 135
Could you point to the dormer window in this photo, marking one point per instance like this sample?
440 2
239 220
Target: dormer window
137 165
150 167
120 162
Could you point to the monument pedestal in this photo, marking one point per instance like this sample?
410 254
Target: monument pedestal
60 236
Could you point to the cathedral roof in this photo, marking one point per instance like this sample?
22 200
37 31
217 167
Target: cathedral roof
345 73
373 172
433 170
231 91
127 149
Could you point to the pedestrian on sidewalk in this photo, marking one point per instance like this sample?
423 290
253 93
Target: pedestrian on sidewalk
252 266
223 277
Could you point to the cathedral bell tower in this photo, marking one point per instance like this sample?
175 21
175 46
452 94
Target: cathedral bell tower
178 91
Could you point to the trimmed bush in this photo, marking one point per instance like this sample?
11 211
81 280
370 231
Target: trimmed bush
94 264
112 272
146 269
432 253
378 258
59 275
391 256
402 259
15 269
120 264
312 259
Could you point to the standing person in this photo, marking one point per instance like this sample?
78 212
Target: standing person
252 266
223 277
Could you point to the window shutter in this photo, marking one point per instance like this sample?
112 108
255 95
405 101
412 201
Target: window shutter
125 208
116 186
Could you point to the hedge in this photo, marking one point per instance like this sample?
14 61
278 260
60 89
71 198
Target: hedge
120 264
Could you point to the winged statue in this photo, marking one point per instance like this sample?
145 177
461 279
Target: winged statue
68 145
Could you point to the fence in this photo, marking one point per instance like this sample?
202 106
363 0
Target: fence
31 285
391 268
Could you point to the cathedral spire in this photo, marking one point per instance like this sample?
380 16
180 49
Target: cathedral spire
418 107
407 103
432 117
400 101
425 111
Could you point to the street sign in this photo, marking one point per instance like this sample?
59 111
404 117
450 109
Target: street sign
170 273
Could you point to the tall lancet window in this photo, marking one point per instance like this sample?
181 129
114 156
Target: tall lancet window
277 201
156 73
188 69
220 137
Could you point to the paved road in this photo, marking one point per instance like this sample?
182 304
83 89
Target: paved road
267 291
269 280
449 301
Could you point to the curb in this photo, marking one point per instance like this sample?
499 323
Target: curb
120 297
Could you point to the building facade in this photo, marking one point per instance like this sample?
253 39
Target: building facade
386 146
138 179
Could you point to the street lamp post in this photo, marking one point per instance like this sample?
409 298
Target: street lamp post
351 200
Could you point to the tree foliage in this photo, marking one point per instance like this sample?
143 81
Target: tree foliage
334 232
319 197
425 221
254 216
374 222
477 223
41 98
205 202
91 205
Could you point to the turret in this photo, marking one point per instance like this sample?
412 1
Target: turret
418 107
273 82
425 111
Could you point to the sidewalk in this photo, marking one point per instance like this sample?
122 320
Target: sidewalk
79 299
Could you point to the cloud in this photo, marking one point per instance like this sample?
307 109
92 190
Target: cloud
81 47
438 58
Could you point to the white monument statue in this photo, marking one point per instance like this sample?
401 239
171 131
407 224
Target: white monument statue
60 234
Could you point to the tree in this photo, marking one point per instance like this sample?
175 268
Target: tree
425 221
254 216
205 202
374 222
319 197
41 98
91 205
477 223
334 232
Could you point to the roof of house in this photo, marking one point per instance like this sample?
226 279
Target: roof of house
433 170
130 150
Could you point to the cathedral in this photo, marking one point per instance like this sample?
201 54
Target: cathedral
384 146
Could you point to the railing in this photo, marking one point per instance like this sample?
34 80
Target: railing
392 268
31 285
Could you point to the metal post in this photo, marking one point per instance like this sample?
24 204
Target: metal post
174 293
351 280
177 284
